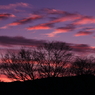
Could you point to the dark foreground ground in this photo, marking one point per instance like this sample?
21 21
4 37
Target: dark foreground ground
77 85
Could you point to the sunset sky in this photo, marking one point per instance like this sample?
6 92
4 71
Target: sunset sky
30 22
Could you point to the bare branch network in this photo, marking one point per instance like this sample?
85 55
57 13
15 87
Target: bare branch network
51 59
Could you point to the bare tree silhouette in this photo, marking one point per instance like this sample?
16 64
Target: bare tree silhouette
83 66
18 66
52 57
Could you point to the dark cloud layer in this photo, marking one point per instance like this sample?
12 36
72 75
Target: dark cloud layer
11 41
82 49
7 41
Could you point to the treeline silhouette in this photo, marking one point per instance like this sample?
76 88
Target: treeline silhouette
51 59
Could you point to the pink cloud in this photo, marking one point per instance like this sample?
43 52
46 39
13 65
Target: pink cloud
66 18
85 20
70 17
60 30
4 27
41 26
38 27
53 11
6 15
25 20
53 34
83 33
11 6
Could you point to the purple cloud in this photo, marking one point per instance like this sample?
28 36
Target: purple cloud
82 48
19 41
12 6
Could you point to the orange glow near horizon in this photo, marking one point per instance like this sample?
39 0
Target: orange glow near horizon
5 79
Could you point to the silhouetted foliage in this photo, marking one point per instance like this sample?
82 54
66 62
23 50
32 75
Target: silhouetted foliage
83 65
